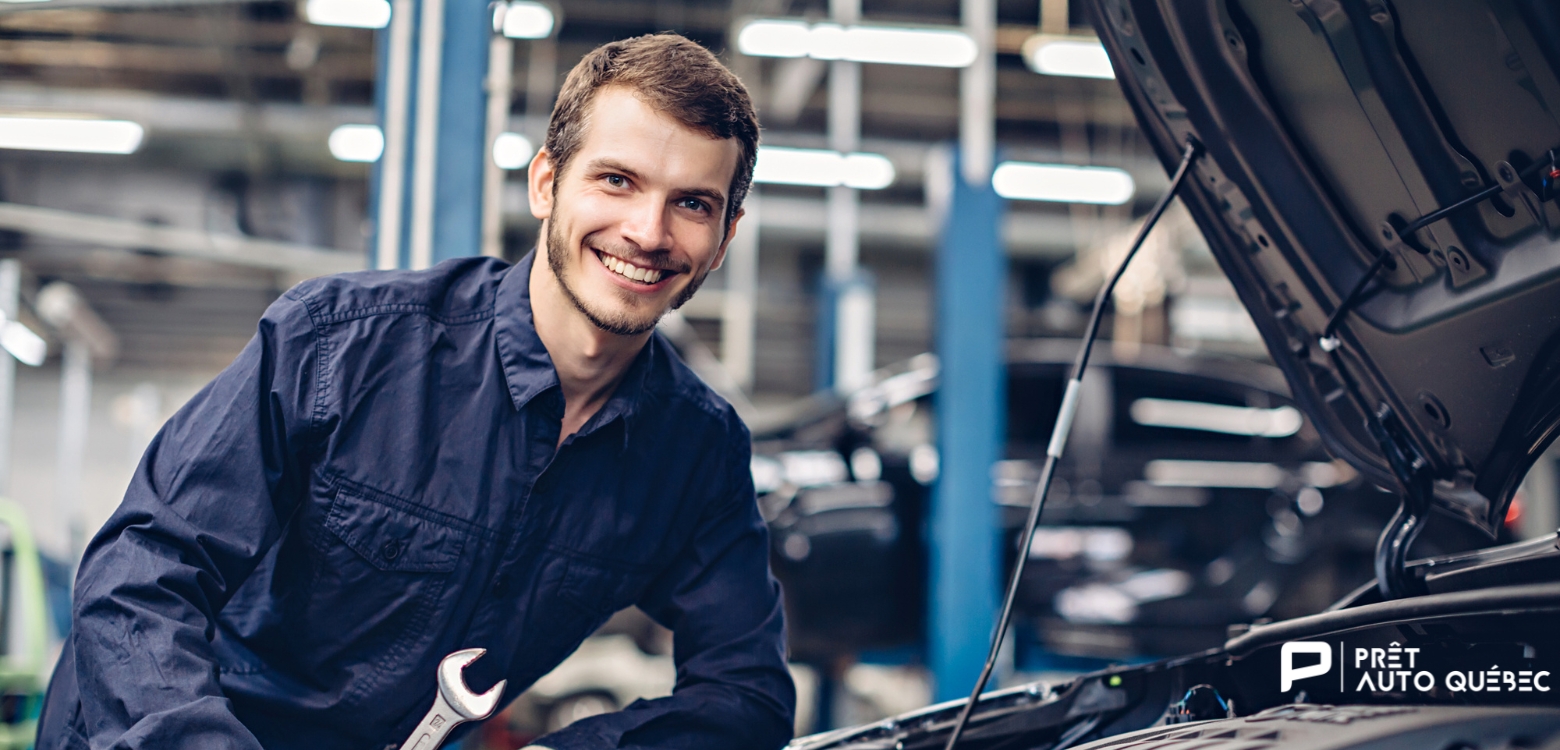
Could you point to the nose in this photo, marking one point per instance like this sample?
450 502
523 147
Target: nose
646 223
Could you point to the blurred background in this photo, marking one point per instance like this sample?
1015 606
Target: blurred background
941 189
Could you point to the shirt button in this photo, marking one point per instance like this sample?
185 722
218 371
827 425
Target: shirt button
391 550
500 585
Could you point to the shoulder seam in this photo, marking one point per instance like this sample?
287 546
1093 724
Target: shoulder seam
322 361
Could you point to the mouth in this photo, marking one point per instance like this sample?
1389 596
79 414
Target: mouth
639 276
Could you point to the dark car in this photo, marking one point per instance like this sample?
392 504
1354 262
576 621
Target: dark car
1195 496
1377 180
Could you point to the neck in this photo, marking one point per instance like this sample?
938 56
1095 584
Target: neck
590 362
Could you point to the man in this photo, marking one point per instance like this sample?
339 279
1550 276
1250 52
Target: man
404 464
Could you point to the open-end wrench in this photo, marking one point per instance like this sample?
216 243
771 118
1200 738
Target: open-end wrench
454 704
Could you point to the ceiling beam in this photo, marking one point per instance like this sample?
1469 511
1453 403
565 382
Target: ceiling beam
177 28
102 231
35 7
190 60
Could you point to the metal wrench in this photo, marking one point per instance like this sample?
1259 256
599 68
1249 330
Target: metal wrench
454 704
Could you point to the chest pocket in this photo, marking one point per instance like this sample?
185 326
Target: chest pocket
391 539
381 568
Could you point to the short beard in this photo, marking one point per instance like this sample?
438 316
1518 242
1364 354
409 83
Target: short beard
558 261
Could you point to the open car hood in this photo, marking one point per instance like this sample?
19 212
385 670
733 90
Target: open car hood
1330 125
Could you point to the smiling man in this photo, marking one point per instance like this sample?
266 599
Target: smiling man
404 464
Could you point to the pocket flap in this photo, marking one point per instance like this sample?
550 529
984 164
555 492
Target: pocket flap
391 538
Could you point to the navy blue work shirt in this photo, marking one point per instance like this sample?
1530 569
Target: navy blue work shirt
373 484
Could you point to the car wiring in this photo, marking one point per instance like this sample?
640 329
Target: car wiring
1064 419
1408 468
1551 177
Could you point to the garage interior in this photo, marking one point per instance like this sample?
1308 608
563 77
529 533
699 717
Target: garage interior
840 328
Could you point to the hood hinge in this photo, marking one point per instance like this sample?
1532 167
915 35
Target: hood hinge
1416 485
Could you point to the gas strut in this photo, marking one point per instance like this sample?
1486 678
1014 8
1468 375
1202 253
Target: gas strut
1064 419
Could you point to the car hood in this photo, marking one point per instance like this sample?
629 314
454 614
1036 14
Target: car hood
1330 125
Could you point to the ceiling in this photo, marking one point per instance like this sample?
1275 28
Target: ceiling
261 56
238 98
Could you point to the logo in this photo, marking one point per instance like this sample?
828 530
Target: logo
1401 669
1288 672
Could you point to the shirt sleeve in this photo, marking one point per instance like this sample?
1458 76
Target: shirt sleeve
210 496
724 608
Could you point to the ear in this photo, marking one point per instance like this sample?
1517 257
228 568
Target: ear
539 184
731 231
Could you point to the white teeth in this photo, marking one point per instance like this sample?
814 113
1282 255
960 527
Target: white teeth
629 270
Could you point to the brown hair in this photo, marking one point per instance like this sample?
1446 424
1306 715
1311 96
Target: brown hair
674 76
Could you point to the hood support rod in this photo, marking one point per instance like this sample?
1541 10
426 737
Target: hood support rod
1053 452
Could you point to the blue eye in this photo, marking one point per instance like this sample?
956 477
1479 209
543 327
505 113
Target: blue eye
694 204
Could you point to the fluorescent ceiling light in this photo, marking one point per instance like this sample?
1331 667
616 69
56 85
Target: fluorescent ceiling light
27 347
1232 420
357 143
1239 474
802 166
775 39
813 468
1061 183
768 474
524 19
891 45
76 134
1095 543
867 172
1327 474
1118 602
512 151
1079 57
360 14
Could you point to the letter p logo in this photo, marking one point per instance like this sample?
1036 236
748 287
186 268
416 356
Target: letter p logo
1288 672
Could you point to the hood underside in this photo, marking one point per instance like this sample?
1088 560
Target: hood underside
1329 128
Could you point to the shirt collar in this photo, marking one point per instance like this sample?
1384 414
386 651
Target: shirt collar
528 368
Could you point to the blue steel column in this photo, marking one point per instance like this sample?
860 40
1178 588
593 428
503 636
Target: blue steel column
444 171
970 422
457 228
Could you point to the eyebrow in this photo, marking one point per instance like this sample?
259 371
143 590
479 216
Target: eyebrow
613 165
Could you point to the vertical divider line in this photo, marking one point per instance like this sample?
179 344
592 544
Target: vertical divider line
425 159
392 165
499 82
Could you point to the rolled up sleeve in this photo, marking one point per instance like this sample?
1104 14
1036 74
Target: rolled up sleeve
724 608
211 495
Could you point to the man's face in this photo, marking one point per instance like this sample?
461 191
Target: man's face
638 218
